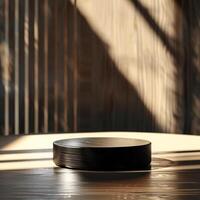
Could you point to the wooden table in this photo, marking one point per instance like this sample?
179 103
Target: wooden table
27 171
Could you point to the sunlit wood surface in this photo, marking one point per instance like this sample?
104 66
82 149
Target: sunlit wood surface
28 172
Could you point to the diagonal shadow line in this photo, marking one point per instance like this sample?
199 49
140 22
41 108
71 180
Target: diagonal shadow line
165 39
107 73
4 141
190 69
119 95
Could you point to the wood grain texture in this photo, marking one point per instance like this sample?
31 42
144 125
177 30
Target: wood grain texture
64 184
131 37
102 65
31 174
191 28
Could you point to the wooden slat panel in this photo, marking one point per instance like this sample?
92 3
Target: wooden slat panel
100 65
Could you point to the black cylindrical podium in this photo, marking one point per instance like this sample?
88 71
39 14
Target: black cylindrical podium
102 153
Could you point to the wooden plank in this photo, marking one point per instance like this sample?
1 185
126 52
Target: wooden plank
52 65
41 64
65 69
46 66
62 67
6 68
36 66
12 61
31 76
26 66
60 183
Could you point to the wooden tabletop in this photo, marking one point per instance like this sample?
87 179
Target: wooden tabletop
28 172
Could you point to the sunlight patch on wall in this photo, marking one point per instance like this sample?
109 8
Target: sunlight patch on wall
133 44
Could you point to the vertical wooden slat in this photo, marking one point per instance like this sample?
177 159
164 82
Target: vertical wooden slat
36 63
51 64
195 61
26 67
16 67
31 70
61 65
6 70
21 69
75 72
12 66
41 63
56 70
65 99
46 46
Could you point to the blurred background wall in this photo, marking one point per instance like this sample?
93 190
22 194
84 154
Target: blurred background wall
95 65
